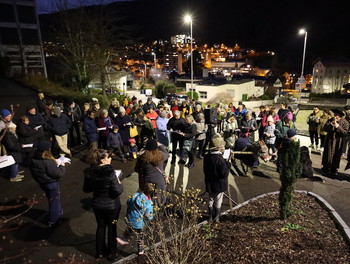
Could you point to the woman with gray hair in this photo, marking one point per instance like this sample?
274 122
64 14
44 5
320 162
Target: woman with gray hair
216 170
188 135
162 133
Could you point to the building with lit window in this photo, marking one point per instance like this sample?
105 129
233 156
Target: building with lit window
330 76
20 41
172 62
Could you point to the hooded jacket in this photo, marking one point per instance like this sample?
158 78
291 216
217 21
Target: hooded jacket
102 181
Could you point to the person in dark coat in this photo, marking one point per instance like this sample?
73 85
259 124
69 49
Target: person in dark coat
104 124
149 104
176 125
337 129
150 167
36 121
101 179
59 125
188 135
216 171
124 122
90 129
73 111
115 143
250 125
139 122
47 172
13 149
28 138
41 103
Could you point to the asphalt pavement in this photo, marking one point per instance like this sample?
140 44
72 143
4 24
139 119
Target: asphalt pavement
28 238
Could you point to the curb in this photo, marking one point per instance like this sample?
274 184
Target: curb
336 217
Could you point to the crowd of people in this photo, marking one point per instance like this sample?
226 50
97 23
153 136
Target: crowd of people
151 134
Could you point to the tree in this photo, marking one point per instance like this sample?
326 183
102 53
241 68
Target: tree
164 87
291 170
83 38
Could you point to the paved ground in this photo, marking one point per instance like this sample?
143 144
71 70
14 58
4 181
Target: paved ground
28 237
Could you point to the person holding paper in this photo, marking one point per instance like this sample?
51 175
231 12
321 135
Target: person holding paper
13 148
28 138
36 121
101 180
124 122
216 171
46 171
104 125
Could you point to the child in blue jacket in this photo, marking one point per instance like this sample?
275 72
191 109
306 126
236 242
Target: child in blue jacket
139 210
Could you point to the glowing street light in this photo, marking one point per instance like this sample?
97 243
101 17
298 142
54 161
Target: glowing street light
301 81
188 19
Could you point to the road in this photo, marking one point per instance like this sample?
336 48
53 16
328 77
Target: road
29 238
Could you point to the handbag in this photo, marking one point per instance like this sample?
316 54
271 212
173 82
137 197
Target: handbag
133 131
166 177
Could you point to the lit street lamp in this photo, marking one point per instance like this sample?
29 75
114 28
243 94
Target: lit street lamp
301 81
188 19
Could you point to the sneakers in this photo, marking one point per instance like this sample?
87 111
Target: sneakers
140 250
20 176
189 165
16 179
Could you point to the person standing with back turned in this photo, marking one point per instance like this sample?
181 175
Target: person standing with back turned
101 179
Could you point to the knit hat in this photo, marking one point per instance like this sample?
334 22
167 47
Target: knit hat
217 143
291 133
57 110
151 144
5 112
115 127
289 116
30 107
132 140
270 118
44 145
122 110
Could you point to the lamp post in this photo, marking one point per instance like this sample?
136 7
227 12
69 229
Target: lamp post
188 19
301 80
155 61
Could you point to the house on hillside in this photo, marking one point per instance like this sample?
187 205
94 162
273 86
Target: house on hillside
330 76
239 90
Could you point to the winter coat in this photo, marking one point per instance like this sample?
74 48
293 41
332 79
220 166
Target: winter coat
323 122
37 120
59 125
12 145
114 140
75 111
190 131
201 130
333 144
139 207
90 128
250 126
313 121
269 132
162 133
216 171
176 125
124 130
149 172
153 117
139 122
102 181
104 122
45 171
27 135
147 106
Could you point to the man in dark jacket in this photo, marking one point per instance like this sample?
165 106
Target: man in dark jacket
36 121
90 129
176 125
216 171
73 111
59 124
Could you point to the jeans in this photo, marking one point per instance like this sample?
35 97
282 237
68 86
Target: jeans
13 170
105 220
314 137
52 191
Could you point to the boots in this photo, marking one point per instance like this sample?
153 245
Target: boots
210 210
217 215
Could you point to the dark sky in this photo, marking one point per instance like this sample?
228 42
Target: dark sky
268 25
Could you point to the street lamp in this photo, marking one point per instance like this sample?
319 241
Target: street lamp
188 19
155 61
301 80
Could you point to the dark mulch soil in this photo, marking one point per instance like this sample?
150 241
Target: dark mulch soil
255 234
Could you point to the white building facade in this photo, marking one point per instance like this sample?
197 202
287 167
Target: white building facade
329 77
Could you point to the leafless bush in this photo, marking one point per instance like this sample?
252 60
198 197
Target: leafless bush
175 234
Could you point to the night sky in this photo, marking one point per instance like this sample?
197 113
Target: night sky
266 25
